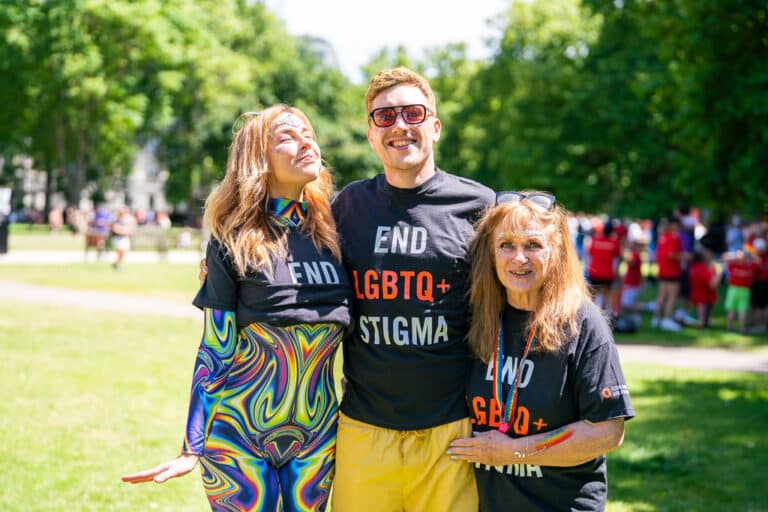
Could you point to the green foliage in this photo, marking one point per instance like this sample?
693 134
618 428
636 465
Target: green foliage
510 135
624 107
627 107
99 79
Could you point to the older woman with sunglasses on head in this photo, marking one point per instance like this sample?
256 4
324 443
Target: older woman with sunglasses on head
263 412
546 393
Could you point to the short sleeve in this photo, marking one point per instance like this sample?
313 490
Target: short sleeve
601 388
219 291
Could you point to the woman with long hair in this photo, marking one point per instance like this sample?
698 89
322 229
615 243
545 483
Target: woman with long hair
263 410
546 393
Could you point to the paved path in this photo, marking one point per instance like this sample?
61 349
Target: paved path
755 360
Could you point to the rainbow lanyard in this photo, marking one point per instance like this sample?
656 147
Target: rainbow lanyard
508 409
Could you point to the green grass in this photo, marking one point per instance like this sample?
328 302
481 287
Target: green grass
162 280
93 396
25 237
714 337
699 442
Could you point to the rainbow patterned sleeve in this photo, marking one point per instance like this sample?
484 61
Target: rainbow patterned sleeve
214 360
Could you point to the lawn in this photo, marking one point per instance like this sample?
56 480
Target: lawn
92 396
28 237
162 280
97 395
697 444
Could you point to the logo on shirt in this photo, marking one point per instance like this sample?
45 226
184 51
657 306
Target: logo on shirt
616 391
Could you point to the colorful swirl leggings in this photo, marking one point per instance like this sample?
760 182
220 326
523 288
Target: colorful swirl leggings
263 414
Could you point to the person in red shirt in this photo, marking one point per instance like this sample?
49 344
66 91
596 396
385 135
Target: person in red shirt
604 258
742 267
633 279
704 279
620 232
759 296
669 254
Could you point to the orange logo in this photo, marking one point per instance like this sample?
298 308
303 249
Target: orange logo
606 392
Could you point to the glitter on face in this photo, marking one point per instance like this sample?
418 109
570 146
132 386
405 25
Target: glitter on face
520 234
290 120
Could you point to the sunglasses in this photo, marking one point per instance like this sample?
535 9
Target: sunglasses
542 199
242 119
411 114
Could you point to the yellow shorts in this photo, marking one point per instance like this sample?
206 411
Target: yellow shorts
384 470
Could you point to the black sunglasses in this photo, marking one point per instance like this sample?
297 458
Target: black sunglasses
411 114
542 199
242 119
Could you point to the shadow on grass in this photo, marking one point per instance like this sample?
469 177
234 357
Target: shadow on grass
696 445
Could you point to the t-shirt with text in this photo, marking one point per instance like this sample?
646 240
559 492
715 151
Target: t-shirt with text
583 381
307 286
406 254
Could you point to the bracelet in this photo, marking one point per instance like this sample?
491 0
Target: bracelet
523 455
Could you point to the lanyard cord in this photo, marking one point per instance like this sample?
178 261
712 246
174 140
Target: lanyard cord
508 408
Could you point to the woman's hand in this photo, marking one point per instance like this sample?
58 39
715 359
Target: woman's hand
569 445
202 272
179 466
489 448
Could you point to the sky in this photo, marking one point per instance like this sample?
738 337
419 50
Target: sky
358 29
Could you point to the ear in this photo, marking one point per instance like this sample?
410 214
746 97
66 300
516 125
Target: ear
370 136
437 127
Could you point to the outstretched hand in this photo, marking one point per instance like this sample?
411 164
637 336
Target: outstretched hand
179 466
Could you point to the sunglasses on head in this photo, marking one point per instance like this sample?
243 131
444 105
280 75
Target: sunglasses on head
242 119
542 199
411 114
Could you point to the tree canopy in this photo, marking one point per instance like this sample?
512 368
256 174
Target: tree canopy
624 107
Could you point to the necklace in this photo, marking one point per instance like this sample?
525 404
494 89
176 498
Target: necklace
508 408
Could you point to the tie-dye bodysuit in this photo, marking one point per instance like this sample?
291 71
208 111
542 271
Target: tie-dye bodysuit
263 412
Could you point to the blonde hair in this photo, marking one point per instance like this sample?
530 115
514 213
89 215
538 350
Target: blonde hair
237 211
387 78
561 295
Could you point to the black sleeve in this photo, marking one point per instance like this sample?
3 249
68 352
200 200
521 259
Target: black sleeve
601 390
219 291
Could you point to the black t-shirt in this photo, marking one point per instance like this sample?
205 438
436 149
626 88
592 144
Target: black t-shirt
406 253
583 381
305 287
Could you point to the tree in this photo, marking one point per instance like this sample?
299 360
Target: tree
508 134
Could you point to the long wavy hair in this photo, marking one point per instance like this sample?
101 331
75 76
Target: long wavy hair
237 211
563 291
